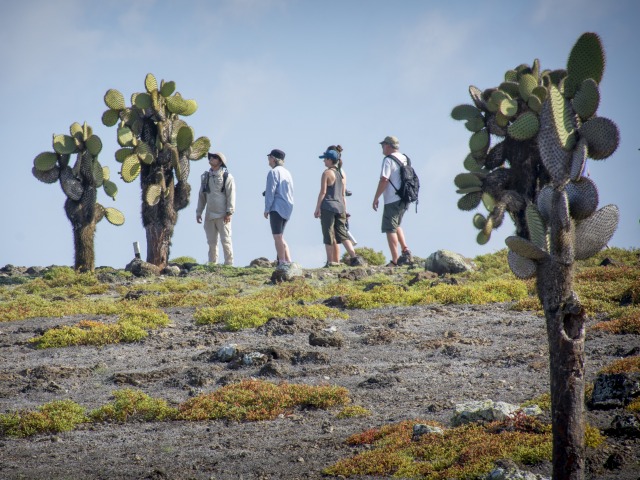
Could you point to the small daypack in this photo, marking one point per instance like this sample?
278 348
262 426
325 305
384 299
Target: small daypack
409 182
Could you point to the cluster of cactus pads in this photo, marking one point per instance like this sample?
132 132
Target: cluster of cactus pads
547 127
79 180
150 133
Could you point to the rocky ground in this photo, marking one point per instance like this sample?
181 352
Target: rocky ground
400 363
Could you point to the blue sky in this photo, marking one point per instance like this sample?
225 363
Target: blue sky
299 76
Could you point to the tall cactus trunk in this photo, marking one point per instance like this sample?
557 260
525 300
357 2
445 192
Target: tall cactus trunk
566 334
83 239
158 243
82 215
159 221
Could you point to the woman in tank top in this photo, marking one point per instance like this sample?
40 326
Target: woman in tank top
331 209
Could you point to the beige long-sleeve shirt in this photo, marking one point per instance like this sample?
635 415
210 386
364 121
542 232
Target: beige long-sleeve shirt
218 203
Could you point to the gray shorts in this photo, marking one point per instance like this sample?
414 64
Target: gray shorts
334 227
392 216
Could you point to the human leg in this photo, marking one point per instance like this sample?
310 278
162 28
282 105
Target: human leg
225 239
211 231
277 229
391 218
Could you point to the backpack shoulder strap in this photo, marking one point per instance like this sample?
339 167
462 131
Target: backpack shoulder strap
225 175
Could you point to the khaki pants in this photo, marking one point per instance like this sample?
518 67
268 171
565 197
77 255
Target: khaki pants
214 227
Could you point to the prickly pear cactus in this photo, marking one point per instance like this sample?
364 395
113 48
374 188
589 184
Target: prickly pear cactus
157 146
531 138
79 181
544 127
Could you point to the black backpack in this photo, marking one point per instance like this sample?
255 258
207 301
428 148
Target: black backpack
409 182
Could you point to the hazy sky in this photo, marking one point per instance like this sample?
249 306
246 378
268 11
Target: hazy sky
296 75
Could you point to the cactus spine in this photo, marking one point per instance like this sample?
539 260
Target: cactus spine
548 127
79 182
157 146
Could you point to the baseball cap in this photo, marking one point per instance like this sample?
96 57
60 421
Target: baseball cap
276 154
391 140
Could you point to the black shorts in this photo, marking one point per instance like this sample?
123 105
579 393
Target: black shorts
277 223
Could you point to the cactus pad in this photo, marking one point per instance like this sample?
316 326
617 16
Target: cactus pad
199 148
141 100
110 117
525 248
525 127
45 161
578 160
114 216
602 137
167 88
64 144
464 180
123 153
479 141
593 234
150 83
48 176
114 100
586 60
526 86
130 169
70 184
465 112
479 221
521 267
555 159
470 201
583 198
184 138
94 145
587 99
110 188
537 227
125 137
152 196
476 96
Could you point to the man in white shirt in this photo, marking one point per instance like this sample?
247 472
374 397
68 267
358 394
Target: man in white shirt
394 208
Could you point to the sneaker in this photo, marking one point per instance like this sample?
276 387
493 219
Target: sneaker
405 258
392 264
332 264
357 261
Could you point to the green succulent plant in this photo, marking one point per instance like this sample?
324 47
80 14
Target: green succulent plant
157 146
546 128
79 182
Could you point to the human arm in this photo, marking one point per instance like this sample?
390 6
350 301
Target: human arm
202 200
382 185
230 192
324 179
269 193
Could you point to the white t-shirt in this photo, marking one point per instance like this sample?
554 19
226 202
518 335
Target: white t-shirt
391 172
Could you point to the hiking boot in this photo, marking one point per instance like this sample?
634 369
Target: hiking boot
357 261
405 258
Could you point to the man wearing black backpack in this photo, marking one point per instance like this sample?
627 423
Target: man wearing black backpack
390 186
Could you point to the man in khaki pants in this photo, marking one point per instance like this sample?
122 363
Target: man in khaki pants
218 193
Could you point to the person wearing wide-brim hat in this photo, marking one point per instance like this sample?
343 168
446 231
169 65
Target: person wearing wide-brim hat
218 194
278 202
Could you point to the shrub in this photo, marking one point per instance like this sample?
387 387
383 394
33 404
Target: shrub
53 417
369 254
